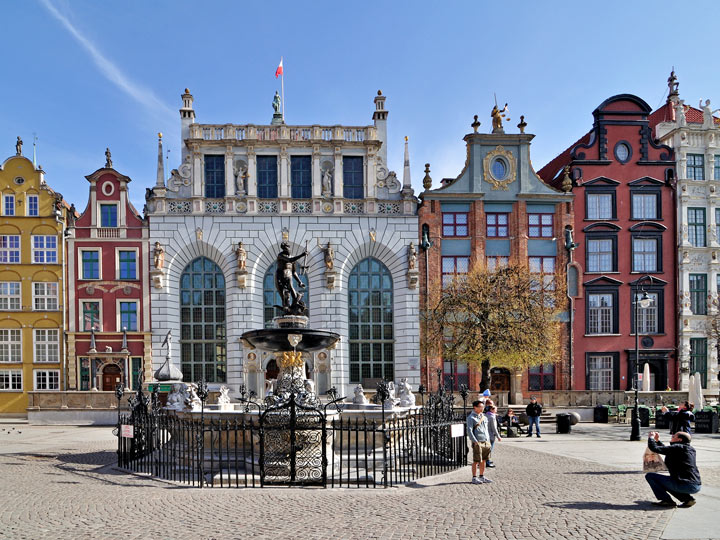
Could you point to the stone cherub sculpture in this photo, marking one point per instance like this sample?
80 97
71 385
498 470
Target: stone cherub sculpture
241 253
158 256
224 396
193 401
405 394
285 273
177 397
359 396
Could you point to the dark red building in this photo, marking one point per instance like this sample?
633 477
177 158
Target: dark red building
108 289
625 224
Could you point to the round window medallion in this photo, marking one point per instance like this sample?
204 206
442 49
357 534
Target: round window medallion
19 180
108 189
622 152
498 169
647 342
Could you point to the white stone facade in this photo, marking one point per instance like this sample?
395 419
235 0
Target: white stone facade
692 133
188 225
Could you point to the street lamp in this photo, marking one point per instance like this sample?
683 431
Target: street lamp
644 302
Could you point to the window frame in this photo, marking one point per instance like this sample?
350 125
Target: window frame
8 252
10 373
102 205
698 296
29 207
42 254
657 238
81 253
646 191
695 227
541 374
450 229
45 344
589 191
214 167
599 236
38 296
695 167
119 317
615 382
455 273
498 261
301 181
659 307
497 225
267 189
454 376
118 263
47 372
10 297
614 309
9 197
352 189
541 226
81 313
12 345
702 357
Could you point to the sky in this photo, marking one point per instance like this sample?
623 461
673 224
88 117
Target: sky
83 75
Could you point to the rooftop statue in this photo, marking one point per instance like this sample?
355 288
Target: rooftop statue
276 103
497 118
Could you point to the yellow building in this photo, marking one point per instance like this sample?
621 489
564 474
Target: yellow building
32 291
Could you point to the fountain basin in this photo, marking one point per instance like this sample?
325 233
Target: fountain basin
276 339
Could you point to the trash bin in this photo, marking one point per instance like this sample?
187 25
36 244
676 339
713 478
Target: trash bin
662 420
600 414
706 422
563 423
644 415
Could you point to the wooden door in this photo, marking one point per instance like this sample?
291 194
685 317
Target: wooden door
499 381
111 376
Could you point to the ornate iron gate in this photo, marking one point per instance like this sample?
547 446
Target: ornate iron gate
293 444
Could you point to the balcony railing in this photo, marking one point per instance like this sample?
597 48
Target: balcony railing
230 132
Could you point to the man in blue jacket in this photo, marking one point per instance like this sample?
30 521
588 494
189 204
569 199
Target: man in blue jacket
684 479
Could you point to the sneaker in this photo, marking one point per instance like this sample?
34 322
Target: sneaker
687 504
665 504
538 436
486 480
476 480
490 465
529 435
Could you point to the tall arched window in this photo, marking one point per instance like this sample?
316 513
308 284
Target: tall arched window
370 314
271 297
203 337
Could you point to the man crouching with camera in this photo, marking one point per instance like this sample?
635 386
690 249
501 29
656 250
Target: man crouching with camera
684 478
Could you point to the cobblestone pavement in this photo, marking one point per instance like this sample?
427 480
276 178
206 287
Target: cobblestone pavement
67 487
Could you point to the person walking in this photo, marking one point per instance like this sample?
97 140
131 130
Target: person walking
684 479
533 410
477 429
493 431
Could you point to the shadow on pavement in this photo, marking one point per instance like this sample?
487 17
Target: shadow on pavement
604 472
596 505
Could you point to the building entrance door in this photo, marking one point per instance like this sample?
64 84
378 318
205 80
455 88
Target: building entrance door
110 377
499 380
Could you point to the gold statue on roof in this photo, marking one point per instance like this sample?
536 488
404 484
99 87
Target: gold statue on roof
497 116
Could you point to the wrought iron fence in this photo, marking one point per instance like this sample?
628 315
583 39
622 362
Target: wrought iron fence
292 443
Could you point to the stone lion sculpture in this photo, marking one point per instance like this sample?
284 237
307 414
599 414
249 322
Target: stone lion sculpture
359 395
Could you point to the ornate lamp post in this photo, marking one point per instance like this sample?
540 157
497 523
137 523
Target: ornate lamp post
643 302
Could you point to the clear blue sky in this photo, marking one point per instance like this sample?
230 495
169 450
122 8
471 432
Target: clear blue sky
86 74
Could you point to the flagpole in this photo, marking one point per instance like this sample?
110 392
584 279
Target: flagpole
282 90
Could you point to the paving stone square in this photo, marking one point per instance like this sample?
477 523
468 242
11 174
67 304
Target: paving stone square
61 482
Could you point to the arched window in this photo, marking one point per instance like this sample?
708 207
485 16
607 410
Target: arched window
370 314
203 337
271 297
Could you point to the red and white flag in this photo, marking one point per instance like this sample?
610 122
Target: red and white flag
279 70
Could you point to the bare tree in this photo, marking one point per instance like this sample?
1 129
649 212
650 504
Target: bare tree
507 317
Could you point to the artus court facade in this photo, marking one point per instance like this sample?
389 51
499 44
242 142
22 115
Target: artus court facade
216 225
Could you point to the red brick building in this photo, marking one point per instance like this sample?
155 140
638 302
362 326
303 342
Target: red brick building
623 182
497 211
108 289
